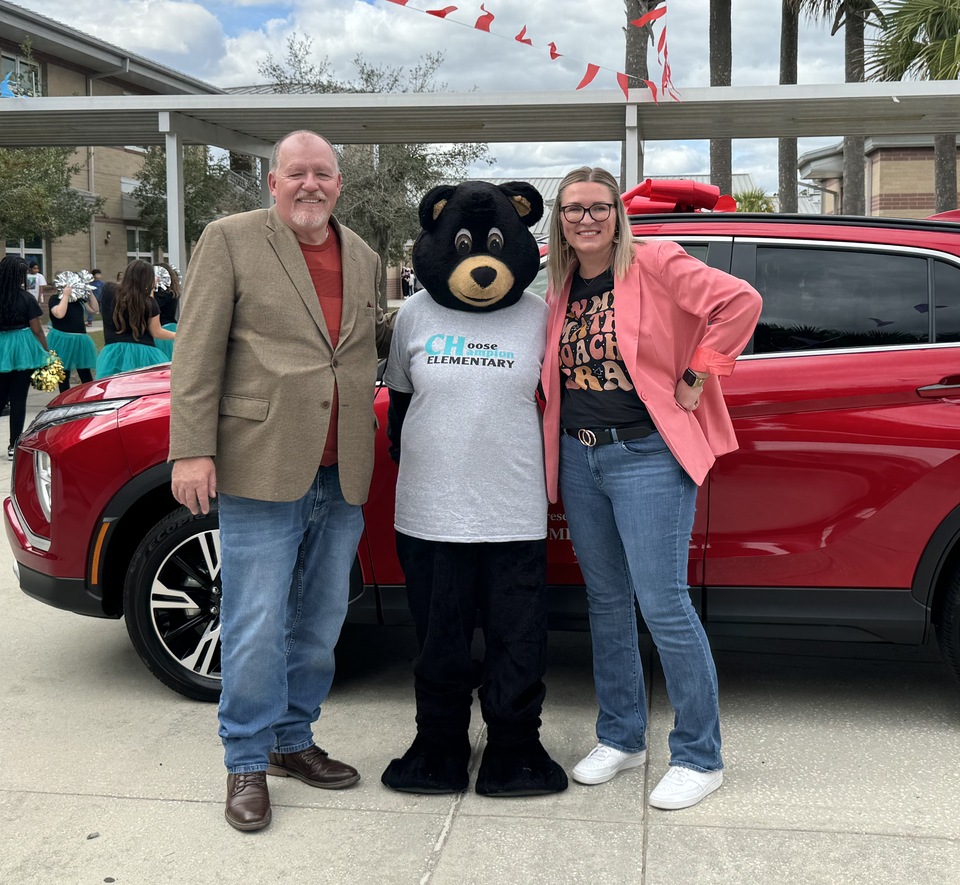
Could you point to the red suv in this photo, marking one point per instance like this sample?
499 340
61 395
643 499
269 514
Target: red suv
838 518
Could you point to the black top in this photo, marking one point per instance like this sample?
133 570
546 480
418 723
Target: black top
74 320
167 304
23 309
597 390
110 333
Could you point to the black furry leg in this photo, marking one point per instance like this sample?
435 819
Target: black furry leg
433 764
521 769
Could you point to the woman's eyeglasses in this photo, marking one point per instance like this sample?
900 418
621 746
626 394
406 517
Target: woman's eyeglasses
598 212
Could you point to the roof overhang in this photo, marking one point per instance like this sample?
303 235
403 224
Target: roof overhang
259 120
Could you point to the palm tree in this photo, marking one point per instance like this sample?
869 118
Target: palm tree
787 146
852 16
721 59
635 66
920 39
756 199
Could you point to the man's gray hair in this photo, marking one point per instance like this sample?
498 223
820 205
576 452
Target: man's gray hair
275 153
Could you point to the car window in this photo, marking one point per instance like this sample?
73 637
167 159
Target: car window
818 298
946 288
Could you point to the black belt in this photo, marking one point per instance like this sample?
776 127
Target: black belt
605 436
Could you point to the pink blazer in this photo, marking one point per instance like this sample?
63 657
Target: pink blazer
670 312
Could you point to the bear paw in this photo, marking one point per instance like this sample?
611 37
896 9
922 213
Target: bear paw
519 770
430 766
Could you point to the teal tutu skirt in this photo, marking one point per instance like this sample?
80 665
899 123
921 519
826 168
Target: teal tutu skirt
166 344
116 358
20 350
75 349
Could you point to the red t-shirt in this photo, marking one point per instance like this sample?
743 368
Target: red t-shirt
323 262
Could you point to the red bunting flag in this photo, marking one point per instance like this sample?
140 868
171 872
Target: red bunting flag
592 71
400 2
483 23
522 37
650 16
653 90
624 82
554 55
441 13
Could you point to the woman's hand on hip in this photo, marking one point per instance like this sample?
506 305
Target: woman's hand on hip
688 398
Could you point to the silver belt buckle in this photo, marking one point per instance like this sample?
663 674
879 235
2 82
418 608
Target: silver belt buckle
587 437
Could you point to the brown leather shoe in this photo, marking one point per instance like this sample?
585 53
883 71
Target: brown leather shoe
248 801
313 766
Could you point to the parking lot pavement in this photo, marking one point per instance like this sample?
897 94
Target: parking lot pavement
841 770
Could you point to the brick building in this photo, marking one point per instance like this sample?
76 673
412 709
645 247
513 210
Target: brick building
65 62
899 175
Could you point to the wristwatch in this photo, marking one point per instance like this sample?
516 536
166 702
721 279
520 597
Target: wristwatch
692 379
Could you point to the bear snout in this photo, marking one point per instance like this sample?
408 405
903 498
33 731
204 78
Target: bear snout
483 276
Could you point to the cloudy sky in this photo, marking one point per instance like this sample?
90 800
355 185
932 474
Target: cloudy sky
224 41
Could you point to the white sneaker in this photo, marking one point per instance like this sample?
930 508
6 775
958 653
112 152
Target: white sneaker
603 762
683 787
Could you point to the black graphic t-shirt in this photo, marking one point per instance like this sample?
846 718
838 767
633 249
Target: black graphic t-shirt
597 389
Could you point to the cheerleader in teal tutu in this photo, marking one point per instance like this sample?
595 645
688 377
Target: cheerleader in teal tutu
168 299
131 322
23 346
68 333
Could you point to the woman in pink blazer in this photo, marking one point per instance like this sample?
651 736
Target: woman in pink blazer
634 419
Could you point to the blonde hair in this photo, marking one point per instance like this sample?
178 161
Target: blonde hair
562 259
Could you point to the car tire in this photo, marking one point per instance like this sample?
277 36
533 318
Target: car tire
948 627
171 603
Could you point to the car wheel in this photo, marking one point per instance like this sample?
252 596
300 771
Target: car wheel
948 628
171 603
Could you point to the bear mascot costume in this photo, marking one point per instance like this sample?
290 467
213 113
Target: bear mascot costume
471 515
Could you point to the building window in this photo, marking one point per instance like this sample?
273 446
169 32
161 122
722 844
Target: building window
32 250
24 75
139 244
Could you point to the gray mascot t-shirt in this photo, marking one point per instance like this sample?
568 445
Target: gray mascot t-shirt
471 463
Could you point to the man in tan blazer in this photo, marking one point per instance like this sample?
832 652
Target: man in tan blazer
272 392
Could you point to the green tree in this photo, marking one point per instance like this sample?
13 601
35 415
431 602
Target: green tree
920 39
382 183
208 192
36 198
721 61
755 199
852 16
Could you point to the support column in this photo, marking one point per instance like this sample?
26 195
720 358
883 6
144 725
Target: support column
176 238
633 147
266 201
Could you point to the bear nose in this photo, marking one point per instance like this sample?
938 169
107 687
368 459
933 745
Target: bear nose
483 276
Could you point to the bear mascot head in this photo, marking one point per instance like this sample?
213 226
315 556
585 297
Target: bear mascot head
475 251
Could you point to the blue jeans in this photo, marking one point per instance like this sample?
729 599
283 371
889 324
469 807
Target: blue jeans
630 509
286 576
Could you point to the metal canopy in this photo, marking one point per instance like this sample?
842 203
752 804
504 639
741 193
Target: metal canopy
251 123
921 108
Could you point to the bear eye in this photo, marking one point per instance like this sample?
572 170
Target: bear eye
463 242
494 241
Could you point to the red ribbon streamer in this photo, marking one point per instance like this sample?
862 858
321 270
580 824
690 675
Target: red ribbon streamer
523 38
650 16
554 55
483 23
441 13
592 71
400 2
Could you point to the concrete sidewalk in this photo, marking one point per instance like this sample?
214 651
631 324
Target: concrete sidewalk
841 770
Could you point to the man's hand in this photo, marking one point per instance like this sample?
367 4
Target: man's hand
194 483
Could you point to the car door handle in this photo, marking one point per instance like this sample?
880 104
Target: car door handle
949 386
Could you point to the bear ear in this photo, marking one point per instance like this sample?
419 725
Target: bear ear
432 205
526 200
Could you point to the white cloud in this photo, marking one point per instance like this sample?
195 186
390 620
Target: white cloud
188 36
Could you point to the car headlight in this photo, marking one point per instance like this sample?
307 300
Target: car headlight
43 477
62 414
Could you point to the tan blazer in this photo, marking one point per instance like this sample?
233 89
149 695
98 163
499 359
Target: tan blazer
253 368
